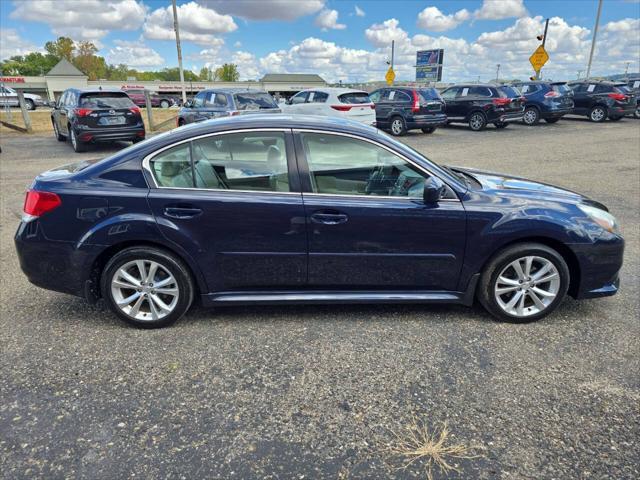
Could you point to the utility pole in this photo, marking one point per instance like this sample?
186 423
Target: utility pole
579 73
176 28
593 40
626 71
497 73
544 40
393 44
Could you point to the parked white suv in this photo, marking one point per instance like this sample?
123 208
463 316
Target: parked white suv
333 102
8 96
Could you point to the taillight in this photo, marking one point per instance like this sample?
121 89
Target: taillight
416 102
234 112
618 97
501 102
373 106
552 94
38 203
134 110
82 112
341 108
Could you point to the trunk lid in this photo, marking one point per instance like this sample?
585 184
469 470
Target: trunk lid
107 110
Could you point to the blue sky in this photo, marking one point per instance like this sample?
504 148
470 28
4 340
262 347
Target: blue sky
339 39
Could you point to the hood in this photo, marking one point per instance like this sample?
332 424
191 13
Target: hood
510 185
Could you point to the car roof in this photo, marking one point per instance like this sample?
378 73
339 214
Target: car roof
232 90
335 90
96 90
488 85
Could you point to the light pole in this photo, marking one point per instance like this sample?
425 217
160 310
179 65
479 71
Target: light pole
626 71
593 40
579 72
176 28
497 73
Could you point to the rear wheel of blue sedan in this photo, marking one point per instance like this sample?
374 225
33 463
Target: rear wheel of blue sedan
524 283
147 287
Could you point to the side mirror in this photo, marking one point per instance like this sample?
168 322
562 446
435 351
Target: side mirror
434 189
187 104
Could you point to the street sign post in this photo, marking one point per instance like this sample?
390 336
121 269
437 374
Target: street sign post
539 58
390 76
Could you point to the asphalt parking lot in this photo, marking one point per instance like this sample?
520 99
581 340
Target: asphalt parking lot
317 392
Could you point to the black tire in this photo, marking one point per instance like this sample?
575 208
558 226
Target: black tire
176 267
552 120
501 125
615 119
501 260
636 113
477 121
56 132
598 114
397 127
77 145
428 129
531 116
29 104
181 122
164 104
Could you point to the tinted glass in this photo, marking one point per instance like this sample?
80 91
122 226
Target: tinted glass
347 166
105 100
509 92
299 98
560 88
428 94
198 100
319 97
241 161
375 96
354 97
254 101
172 168
622 89
604 88
450 93
479 92
397 96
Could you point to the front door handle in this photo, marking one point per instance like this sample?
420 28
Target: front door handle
182 212
329 217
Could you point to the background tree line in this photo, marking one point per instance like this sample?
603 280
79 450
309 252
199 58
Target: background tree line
84 56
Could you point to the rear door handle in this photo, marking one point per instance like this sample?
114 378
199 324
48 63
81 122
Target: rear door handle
329 218
182 212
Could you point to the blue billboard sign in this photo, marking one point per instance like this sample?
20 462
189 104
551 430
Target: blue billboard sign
429 65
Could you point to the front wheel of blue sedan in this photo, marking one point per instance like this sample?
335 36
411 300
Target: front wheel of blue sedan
147 287
524 283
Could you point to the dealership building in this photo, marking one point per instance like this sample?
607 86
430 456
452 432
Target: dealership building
65 75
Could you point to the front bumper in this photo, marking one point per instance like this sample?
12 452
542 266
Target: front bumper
599 264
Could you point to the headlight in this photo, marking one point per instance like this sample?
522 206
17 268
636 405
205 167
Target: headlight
602 218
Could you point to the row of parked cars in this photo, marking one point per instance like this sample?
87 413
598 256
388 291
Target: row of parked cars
87 116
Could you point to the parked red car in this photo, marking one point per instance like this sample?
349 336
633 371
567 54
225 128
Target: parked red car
157 100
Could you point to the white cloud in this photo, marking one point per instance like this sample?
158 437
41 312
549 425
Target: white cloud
266 9
498 9
134 54
359 12
328 19
381 34
431 18
238 44
83 19
198 24
12 44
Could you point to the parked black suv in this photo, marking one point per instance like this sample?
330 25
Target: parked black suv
479 104
601 100
634 86
545 100
85 116
399 109
224 103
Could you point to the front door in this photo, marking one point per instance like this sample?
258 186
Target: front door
452 103
228 199
368 225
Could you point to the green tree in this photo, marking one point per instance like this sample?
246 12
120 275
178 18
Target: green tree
228 73
63 47
32 64
92 65
205 74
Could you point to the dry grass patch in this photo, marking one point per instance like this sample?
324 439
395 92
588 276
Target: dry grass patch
416 444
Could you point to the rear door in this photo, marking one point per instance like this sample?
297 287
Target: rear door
368 226
452 102
358 106
233 201
107 110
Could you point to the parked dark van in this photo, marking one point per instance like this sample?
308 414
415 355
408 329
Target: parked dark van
399 109
88 116
548 101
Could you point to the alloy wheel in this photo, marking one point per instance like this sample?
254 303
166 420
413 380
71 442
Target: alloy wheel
74 140
145 290
476 121
527 286
530 116
396 126
597 114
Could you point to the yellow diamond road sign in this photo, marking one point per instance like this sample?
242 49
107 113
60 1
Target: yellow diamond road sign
390 76
539 58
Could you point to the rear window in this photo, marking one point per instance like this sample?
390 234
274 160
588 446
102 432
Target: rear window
509 92
354 97
105 100
254 101
429 94
622 89
560 87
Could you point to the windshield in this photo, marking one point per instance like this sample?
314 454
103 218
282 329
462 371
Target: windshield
105 100
254 101
509 92
429 94
354 97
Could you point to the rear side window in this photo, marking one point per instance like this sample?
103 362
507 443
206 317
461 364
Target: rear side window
560 88
397 96
105 100
319 97
509 92
254 101
172 168
354 97
479 92
604 88
622 89
428 94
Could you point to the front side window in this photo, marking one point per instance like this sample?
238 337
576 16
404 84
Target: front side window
198 100
299 98
342 165
450 93
375 96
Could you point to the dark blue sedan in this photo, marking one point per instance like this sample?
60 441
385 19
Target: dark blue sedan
295 209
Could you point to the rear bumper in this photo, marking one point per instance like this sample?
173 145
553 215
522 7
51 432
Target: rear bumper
599 264
422 121
622 110
110 134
